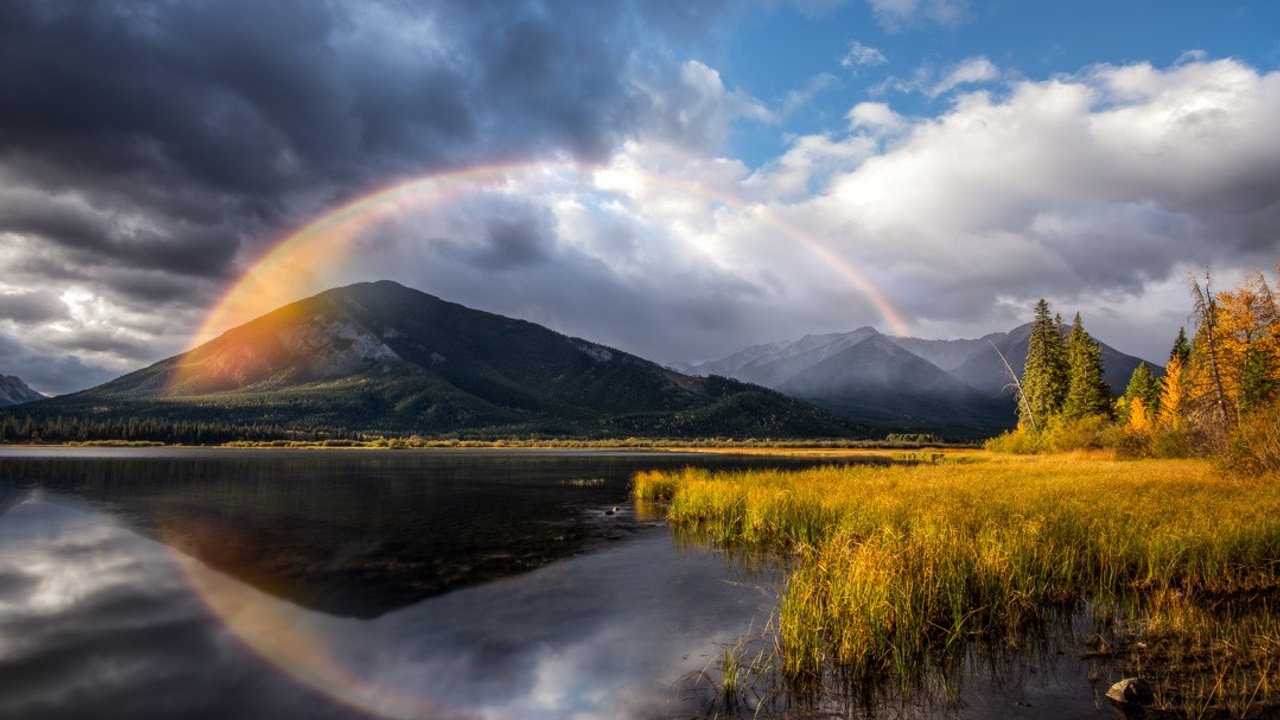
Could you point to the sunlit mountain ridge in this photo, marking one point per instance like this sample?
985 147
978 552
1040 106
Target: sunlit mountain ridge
381 357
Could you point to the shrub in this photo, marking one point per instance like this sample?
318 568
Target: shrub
1254 447
1017 442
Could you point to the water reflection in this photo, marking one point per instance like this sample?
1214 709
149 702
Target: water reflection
356 533
99 617
96 621
193 584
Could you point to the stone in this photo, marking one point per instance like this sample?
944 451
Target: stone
1132 691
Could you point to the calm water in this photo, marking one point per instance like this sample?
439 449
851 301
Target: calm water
354 584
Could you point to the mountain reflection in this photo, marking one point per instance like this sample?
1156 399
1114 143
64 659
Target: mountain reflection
200 583
97 621
351 533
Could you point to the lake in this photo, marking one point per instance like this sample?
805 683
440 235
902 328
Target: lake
218 583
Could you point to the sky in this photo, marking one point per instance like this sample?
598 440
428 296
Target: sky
674 179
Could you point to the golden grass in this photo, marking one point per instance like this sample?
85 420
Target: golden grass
902 565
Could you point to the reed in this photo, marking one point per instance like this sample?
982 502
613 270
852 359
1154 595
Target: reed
898 567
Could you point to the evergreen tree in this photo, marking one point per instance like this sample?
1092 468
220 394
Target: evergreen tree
1259 385
1044 379
1143 384
1181 348
1088 394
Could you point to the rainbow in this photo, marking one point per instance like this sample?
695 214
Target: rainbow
292 269
295 267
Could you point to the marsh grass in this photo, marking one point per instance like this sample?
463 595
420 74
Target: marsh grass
897 570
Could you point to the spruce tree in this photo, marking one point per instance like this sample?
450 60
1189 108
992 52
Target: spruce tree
1181 348
1044 378
1143 384
1088 394
1259 385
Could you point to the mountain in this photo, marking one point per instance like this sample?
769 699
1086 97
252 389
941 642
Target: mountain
956 388
772 365
381 357
984 370
15 392
879 382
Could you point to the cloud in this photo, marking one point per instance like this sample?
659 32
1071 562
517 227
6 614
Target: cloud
143 173
34 306
928 81
968 72
874 117
895 15
1073 187
150 151
860 55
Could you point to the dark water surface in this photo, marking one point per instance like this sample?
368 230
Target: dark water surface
166 583
183 583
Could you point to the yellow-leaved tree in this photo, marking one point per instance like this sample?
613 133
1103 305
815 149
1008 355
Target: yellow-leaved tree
1173 395
1139 422
1247 325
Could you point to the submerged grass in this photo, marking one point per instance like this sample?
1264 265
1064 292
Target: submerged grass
901 567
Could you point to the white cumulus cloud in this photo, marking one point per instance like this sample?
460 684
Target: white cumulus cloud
860 55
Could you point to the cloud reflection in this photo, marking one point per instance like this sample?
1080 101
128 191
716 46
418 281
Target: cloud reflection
97 621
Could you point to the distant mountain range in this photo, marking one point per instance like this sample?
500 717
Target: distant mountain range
955 388
15 392
380 357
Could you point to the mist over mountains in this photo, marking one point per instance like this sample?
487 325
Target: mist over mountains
955 388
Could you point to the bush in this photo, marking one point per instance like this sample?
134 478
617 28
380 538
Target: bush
1254 447
1017 442
1085 433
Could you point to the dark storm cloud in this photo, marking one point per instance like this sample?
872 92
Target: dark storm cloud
149 148
257 98
32 307
218 113
510 244
50 374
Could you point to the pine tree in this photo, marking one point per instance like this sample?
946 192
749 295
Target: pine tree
1044 378
1088 394
1181 348
1259 385
1143 384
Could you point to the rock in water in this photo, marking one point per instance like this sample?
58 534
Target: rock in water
1132 691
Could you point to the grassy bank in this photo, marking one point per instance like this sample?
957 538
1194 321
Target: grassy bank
904 567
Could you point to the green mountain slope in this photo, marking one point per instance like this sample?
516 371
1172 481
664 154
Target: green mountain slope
385 358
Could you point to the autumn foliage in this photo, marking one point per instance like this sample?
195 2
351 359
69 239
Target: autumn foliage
1219 394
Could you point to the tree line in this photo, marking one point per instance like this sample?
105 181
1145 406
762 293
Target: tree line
1219 394
32 429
